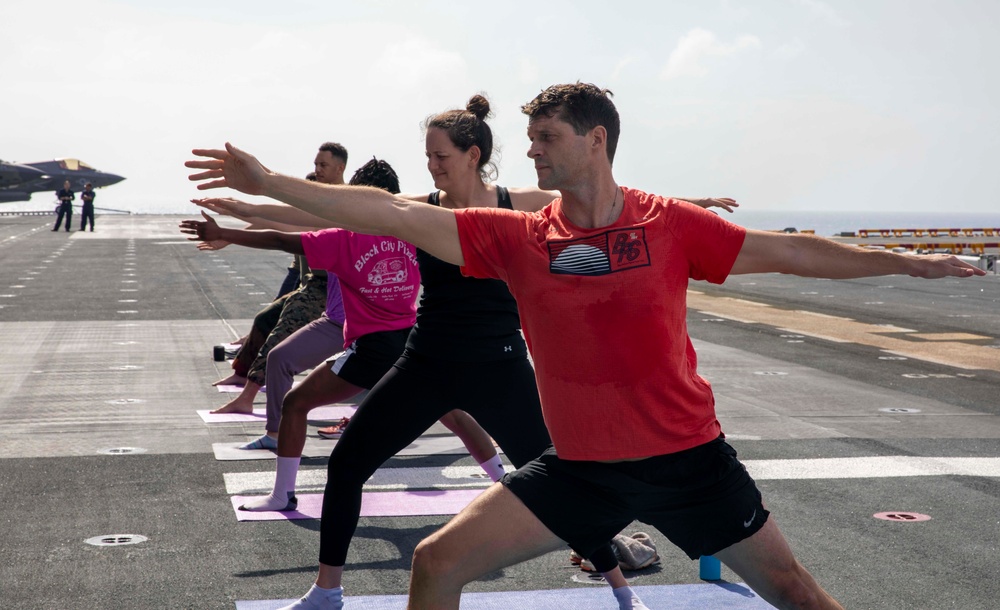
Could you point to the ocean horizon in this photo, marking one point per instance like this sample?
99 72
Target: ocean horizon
823 222
830 223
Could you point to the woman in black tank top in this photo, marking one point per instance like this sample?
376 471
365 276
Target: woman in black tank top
465 352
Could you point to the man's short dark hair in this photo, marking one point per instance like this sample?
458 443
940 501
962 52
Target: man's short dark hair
336 149
376 173
582 105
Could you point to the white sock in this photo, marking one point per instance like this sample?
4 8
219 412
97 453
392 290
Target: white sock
283 494
318 593
494 467
627 599
319 598
286 471
286 501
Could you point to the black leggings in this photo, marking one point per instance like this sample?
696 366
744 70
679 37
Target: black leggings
415 393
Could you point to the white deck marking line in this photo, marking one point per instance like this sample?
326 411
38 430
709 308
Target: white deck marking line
874 467
457 477
384 479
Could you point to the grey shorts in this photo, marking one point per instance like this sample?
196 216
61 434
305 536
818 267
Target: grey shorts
702 499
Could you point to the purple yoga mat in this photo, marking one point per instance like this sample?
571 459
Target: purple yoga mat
375 504
236 389
734 596
327 413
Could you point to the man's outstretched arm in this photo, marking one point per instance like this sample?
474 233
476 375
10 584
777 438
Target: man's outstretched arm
358 208
277 216
811 256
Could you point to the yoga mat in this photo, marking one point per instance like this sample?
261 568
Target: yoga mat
379 504
319 447
236 389
732 596
384 479
327 413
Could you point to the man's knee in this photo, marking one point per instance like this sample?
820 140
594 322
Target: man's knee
795 588
432 563
791 587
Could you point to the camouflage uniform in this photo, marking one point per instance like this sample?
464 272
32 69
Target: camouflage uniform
300 308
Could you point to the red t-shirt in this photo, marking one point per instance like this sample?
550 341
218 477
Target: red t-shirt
604 314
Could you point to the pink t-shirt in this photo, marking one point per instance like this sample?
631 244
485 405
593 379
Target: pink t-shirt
605 316
378 277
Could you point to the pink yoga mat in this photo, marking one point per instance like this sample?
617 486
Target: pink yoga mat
375 504
327 413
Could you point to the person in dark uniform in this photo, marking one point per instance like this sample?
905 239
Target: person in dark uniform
66 197
88 207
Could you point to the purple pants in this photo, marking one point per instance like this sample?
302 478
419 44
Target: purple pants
304 349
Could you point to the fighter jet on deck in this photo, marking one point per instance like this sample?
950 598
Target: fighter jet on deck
19 180
13 175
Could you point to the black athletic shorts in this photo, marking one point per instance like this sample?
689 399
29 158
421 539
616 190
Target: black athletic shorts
369 357
702 499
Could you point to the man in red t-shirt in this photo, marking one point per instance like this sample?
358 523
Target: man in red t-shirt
633 424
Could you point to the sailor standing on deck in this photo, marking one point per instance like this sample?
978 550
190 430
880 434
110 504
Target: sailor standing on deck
66 197
88 207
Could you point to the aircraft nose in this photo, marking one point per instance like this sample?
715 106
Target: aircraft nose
114 178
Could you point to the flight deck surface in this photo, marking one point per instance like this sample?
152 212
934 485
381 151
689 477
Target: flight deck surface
845 399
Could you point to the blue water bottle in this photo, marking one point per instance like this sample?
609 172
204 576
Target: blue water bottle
710 568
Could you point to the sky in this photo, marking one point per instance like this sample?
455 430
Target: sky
784 105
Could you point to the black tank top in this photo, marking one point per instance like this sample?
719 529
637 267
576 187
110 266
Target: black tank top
464 319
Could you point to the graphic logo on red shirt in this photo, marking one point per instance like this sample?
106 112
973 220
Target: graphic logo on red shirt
600 254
